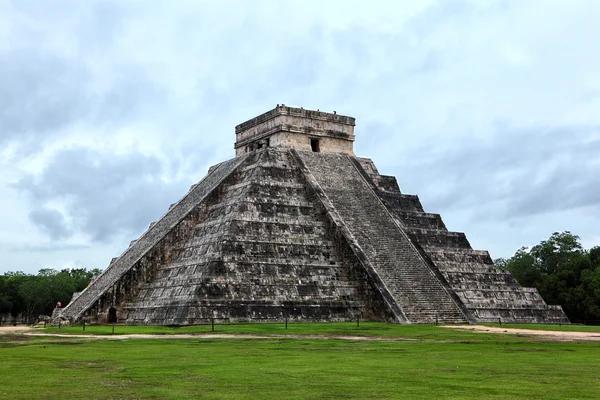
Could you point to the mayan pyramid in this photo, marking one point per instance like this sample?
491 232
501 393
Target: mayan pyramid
296 226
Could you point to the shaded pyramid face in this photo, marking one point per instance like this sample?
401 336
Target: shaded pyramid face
258 249
287 231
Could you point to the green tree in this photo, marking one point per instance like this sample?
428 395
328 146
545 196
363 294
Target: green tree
552 254
563 272
6 303
595 256
32 295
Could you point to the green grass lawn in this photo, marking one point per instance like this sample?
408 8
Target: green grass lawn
441 363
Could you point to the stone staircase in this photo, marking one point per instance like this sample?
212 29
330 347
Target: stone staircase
403 273
490 295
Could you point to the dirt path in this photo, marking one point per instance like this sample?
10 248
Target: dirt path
555 336
222 336
10 328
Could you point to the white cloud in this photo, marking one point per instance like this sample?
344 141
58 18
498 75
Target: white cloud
167 82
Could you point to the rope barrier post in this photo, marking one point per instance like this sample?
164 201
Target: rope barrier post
113 328
212 323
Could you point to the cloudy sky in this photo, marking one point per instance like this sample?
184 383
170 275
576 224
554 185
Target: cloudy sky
110 110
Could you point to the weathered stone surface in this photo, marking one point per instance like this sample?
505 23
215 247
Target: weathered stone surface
488 293
383 245
294 228
126 263
297 128
261 252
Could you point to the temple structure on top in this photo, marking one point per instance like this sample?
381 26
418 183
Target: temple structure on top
296 226
297 128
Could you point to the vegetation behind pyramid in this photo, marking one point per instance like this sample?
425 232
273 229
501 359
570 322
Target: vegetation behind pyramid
296 226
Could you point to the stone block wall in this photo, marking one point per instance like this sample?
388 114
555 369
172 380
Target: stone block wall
301 141
263 251
290 127
122 276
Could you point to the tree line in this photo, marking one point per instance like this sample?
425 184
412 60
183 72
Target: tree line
563 272
30 296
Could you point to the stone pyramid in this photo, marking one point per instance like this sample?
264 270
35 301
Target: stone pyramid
296 226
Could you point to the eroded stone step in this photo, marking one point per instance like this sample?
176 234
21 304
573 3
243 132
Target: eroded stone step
401 202
264 224
476 279
266 183
440 238
421 220
458 255
259 203
453 267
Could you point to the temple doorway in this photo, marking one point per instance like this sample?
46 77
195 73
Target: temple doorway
112 315
314 145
